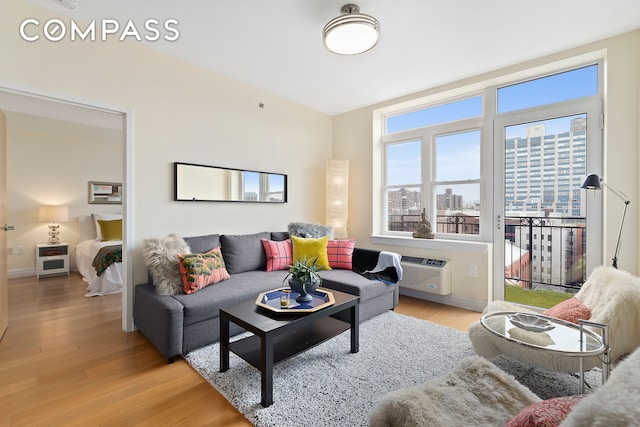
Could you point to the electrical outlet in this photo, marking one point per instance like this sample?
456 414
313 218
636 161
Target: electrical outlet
472 270
9 251
19 250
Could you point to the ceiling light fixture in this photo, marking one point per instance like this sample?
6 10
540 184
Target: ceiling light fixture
352 32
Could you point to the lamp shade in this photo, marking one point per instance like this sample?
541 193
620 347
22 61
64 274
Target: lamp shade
591 182
337 187
50 213
352 32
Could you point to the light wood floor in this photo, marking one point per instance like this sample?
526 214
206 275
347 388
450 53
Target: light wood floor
65 360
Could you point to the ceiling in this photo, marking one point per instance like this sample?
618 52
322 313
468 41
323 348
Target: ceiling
277 45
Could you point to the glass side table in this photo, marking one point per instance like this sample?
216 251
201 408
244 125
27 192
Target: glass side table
544 333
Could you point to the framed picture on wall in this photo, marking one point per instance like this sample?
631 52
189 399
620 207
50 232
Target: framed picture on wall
105 193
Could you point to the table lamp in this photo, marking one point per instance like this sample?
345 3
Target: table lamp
53 215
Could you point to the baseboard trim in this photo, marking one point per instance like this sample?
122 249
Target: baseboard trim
17 273
462 302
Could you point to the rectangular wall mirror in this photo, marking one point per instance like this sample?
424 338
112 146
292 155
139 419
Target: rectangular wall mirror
217 184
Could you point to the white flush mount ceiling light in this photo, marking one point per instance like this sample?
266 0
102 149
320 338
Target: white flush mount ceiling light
352 32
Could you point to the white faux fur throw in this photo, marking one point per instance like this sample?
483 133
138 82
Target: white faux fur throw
161 257
476 393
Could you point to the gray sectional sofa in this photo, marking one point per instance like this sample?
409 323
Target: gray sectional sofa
177 324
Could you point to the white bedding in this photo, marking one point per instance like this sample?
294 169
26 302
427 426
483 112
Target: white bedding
110 281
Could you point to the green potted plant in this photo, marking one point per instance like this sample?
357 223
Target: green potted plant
304 278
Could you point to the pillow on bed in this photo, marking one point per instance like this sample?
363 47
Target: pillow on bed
200 270
103 216
110 229
161 257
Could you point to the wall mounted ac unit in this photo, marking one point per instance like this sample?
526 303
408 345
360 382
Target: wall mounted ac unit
426 275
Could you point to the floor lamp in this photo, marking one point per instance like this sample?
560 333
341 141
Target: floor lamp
594 182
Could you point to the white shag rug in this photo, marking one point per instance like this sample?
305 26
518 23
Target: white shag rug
330 386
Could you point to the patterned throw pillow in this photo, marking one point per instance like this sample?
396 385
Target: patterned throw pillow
548 413
279 254
200 270
570 310
340 253
311 248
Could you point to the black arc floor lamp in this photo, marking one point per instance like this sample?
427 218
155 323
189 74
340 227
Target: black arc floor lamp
594 182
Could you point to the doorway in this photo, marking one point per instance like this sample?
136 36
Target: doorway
28 102
549 232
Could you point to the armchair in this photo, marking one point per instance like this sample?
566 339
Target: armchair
613 297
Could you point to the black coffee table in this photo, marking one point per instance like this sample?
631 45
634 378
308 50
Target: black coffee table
279 336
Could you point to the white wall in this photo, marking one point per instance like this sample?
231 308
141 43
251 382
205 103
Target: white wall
50 162
353 135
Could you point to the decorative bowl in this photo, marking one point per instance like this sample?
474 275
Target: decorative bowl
530 322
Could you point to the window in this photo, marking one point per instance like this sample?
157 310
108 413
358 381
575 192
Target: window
432 161
403 184
564 86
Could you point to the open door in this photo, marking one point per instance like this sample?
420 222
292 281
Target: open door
4 293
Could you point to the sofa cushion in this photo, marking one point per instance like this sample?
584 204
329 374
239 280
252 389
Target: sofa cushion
206 303
161 257
340 253
279 254
279 235
201 270
548 413
307 248
203 244
244 252
354 284
570 310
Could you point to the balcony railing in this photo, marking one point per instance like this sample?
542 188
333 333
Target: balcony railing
548 253
450 224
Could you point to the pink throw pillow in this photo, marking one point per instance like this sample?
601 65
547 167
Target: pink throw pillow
570 310
548 413
279 254
340 253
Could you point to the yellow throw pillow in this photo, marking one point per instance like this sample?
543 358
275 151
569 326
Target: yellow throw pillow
311 248
110 230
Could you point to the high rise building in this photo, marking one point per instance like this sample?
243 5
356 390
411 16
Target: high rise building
543 171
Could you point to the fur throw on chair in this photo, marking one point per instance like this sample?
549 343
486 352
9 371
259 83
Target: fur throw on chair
476 393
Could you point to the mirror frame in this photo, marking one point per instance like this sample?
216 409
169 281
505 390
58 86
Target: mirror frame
178 198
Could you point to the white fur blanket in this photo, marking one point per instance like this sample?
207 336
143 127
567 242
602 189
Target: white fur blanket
475 393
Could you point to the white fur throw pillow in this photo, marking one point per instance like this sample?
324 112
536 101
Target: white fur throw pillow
161 257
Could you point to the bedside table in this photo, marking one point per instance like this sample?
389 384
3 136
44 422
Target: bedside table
52 259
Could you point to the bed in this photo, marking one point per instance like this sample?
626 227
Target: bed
107 278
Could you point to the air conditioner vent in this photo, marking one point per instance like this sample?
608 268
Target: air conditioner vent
426 275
